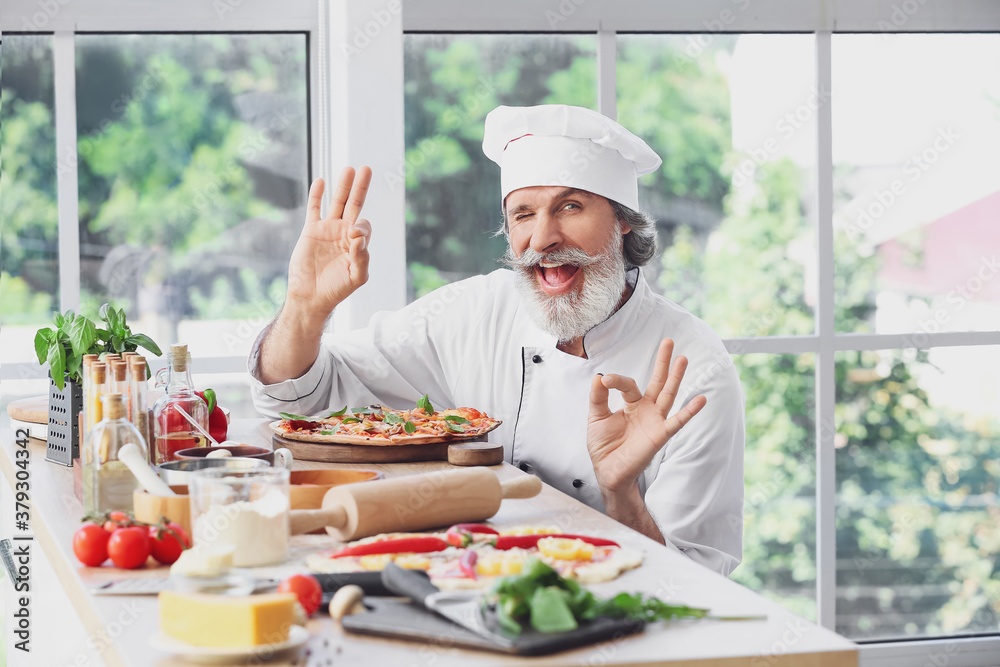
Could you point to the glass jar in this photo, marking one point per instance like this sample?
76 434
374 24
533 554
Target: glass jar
180 417
246 509
108 484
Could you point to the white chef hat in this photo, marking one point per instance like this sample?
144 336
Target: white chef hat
556 144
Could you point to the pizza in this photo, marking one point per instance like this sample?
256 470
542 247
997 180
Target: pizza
378 425
473 556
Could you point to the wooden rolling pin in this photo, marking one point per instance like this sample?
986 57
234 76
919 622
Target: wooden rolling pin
411 503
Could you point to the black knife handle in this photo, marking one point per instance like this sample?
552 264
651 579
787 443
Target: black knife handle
413 584
370 582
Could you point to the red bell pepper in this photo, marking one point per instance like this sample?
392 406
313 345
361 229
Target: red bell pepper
218 427
504 542
460 535
419 545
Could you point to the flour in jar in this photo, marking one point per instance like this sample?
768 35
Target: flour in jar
257 529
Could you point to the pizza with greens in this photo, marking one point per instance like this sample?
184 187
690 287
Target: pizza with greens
378 425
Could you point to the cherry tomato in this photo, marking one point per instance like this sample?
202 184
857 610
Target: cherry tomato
90 544
306 588
116 520
167 549
129 547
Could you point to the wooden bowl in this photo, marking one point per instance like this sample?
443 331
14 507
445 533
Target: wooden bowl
243 451
307 487
150 508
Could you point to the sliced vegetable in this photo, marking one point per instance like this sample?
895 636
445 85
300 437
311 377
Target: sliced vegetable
417 544
529 541
467 563
460 535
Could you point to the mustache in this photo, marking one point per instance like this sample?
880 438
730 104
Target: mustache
531 258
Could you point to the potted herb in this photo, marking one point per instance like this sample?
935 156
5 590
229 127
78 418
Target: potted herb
63 348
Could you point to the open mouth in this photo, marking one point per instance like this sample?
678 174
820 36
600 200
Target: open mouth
556 278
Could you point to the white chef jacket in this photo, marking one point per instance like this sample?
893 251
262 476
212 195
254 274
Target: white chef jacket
473 344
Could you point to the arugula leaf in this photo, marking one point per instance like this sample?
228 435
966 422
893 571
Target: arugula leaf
361 411
457 419
425 403
454 428
392 418
350 420
289 415
409 426
330 431
338 413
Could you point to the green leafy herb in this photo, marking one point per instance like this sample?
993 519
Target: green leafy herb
551 603
329 431
338 413
289 415
457 419
350 420
409 426
392 418
361 411
425 403
454 428
63 347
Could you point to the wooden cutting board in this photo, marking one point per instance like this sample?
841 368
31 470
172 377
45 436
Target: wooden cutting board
34 410
458 454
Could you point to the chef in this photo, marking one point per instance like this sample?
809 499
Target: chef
568 345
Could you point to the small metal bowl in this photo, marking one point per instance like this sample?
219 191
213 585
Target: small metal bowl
178 472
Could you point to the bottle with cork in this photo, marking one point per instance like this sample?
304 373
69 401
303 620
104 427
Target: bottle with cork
180 417
138 404
108 484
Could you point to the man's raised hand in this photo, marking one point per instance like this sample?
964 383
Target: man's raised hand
330 259
623 443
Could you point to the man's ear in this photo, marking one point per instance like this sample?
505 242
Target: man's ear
624 227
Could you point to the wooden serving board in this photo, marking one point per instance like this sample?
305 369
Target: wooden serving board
455 453
34 410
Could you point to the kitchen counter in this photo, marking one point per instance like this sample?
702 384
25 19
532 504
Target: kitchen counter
119 628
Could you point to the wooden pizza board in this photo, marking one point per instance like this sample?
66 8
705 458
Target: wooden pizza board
34 410
455 453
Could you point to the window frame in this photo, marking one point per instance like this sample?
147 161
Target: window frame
370 82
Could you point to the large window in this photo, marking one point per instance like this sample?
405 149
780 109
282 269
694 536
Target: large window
738 121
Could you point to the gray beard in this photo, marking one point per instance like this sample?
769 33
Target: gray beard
570 316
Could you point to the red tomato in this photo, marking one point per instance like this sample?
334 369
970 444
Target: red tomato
116 520
306 588
129 547
167 549
90 544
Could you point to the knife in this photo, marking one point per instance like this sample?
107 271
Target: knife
459 607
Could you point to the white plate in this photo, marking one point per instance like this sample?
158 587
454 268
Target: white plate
213 655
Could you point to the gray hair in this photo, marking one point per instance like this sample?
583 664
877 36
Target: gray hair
638 247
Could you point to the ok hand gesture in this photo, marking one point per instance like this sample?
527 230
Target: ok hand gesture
622 443
330 259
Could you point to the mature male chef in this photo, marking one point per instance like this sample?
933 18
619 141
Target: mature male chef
541 344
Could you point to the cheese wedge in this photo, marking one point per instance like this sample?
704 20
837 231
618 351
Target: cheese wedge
226 621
